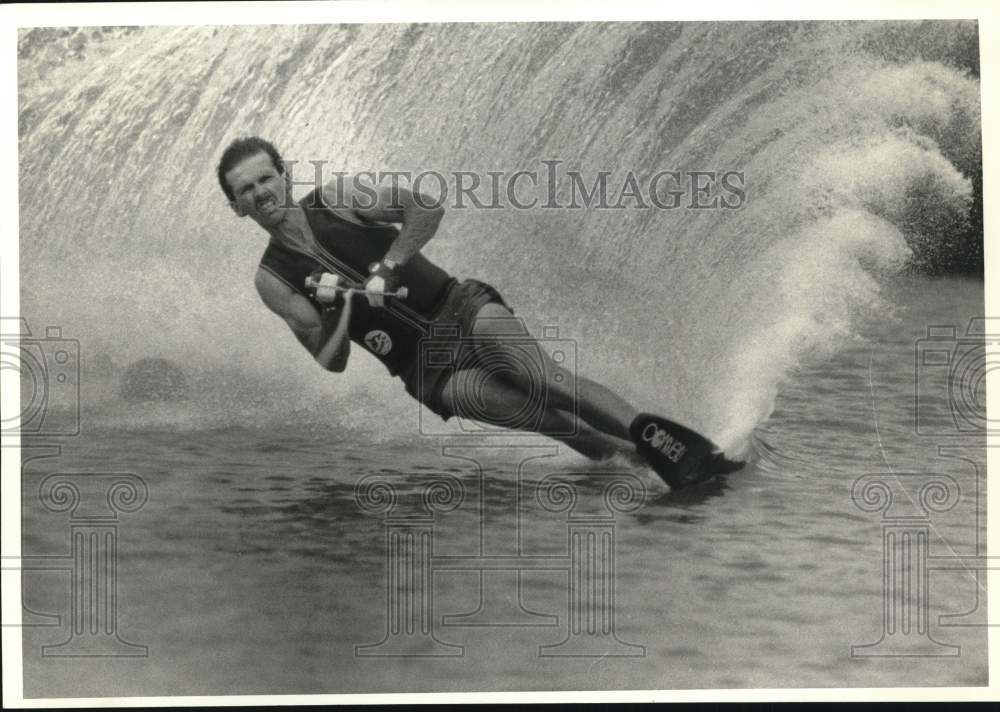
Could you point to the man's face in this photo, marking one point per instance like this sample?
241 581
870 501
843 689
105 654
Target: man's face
261 192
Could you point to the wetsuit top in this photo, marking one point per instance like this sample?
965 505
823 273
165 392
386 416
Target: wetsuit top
346 248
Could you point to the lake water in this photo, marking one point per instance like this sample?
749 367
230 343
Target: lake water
254 568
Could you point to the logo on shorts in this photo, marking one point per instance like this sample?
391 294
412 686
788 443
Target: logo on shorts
378 342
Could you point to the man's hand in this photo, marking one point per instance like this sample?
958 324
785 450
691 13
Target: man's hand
418 215
326 288
375 288
384 280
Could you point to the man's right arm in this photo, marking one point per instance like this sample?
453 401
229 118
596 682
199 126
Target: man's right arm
304 320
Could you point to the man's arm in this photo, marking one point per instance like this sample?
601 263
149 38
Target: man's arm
324 338
333 354
419 215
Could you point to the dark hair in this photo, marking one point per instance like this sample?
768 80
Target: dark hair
243 148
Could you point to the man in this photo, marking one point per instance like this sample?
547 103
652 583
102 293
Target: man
342 236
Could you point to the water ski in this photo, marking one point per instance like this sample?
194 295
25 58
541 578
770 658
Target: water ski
679 455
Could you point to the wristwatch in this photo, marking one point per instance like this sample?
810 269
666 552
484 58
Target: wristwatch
375 267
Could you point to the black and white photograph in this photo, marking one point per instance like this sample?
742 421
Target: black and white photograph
366 349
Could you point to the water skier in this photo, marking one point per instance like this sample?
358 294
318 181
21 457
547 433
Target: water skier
335 242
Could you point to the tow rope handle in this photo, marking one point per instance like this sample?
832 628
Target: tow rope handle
312 283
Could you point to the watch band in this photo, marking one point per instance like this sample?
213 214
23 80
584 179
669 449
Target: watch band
383 267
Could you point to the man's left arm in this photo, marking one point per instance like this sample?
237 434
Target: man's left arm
418 215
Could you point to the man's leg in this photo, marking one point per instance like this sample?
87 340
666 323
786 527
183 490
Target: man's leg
565 391
484 397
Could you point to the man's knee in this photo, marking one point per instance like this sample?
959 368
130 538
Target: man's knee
526 365
472 393
506 347
479 394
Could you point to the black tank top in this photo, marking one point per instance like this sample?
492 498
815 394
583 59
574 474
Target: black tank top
346 248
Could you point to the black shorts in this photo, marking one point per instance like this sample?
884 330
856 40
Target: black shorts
448 343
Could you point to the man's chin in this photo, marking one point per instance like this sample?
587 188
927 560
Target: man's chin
269 219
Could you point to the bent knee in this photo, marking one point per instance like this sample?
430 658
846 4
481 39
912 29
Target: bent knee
481 395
